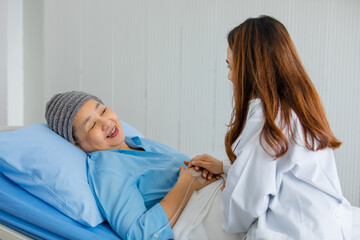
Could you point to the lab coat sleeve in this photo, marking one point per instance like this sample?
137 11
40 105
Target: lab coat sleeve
123 207
226 166
250 182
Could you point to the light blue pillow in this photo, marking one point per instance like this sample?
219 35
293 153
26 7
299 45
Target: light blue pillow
130 131
52 169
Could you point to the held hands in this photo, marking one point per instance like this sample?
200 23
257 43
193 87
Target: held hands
210 166
195 183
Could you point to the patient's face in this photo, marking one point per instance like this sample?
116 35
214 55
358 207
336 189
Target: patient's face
97 127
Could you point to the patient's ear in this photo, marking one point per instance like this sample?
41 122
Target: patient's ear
76 140
78 145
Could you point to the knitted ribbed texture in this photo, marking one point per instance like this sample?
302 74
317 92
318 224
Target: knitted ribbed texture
61 110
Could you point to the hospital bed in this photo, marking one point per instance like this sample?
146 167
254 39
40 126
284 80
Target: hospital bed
24 216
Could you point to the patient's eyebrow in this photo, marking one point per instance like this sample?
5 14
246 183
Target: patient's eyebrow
88 118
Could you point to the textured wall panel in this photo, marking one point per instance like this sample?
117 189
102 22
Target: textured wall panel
97 49
130 56
62 33
198 78
164 73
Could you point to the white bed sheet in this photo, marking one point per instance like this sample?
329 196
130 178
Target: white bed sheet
201 217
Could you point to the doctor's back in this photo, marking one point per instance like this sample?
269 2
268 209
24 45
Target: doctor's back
297 196
283 182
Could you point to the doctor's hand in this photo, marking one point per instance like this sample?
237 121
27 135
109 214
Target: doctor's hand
209 165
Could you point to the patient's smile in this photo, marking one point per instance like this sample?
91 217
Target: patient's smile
113 133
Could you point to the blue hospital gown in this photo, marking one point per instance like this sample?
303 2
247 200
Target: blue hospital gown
128 186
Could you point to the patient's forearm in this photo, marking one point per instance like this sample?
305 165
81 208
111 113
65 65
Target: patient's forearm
175 201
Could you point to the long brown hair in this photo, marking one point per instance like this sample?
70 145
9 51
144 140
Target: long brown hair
266 66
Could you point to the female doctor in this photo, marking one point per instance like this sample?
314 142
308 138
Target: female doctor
283 182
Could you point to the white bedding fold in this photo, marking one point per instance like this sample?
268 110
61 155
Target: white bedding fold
202 216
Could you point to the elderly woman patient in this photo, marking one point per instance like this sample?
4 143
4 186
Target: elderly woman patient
141 186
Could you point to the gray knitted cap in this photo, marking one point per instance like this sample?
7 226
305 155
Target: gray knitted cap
61 110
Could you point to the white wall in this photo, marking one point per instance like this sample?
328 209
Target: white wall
15 73
11 63
161 65
34 99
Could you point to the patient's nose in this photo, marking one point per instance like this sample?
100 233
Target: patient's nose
105 123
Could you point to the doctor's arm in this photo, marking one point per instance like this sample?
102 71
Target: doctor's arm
250 183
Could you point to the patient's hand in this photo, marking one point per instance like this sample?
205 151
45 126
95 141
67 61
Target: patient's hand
209 166
198 183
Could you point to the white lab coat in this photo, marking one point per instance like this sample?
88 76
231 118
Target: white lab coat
297 196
